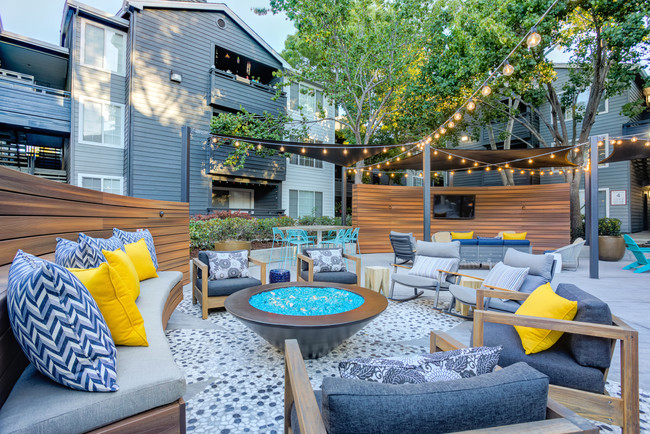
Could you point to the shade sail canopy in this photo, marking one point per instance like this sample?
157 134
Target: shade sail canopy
516 158
342 155
628 150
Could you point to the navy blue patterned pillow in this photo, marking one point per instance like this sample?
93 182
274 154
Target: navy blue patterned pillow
424 368
59 326
134 237
91 248
68 254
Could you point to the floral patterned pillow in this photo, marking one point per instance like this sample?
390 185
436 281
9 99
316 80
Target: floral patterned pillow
327 260
228 265
425 368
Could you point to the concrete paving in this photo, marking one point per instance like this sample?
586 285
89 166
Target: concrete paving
627 293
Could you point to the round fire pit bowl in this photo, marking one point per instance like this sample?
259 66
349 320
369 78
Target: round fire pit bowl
317 335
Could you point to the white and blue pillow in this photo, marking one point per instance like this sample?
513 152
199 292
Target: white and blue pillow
91 248
59 326
68 254
428 266
134 237
506 277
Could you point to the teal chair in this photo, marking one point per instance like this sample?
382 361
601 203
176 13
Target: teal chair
282 240
298 238
641 264
354 239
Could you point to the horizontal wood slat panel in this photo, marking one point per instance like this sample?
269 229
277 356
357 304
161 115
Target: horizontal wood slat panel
541 210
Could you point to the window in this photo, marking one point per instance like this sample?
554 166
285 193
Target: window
301 160
310 99
102 122
603 202
417 181
581 105
107 184
305 203
103 48
238 198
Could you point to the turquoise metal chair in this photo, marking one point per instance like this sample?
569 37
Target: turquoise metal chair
354 239
339 238
641 264
282 239
299 239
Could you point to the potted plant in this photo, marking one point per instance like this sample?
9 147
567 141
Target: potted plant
611 246
232 233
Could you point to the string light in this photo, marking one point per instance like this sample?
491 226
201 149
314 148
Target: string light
534 38
345 152
475 164
281 148
259 147
521 173
324 151
409 153
214 140
406 175
469 170
552 155
487 169
451 124
436 136
462 161
634 139
471 105
464 138
576 150
392 175
507 165
500 169
398 158
451 173
365 151
647 143
530 161
487 90
508 69
443 130
384 150
435 152
449 157
512 170
403 149
304 150
236 144
458 116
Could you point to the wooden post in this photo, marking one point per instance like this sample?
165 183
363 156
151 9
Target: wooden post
426 192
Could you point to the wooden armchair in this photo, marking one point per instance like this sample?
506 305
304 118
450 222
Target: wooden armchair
305 271
213 293
623 411
299 398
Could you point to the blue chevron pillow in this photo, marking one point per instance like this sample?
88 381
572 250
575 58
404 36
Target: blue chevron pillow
91 248
68 254
59 326
134 237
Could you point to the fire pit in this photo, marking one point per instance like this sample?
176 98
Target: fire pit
319 315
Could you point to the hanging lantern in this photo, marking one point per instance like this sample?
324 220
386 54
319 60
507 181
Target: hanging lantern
534 38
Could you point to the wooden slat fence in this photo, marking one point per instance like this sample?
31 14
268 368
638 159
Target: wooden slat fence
541 210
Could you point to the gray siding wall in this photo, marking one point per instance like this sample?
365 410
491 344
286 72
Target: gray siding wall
34 106
92 83
181 41
234 95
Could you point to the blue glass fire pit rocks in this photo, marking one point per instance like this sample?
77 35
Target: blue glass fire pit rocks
306 301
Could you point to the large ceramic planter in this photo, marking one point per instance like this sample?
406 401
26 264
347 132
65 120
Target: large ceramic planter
230 245
611 248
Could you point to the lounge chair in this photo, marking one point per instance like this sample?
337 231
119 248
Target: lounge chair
305 269
403 246
441 237
571 254
641 264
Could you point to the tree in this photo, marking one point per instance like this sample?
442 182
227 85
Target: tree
362 52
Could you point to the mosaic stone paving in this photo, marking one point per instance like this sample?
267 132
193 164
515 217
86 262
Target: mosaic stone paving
235 379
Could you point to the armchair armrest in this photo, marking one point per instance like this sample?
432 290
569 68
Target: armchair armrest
262 266
455 273
200 265
300 258
443 342
496 292
298 392
401 266
357 260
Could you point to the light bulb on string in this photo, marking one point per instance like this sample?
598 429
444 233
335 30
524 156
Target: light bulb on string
507 165
259 146
469 171
398 158
577 149
487 90
647 143
634 139
324 151
236 144
435 152
214 140
534 38
475 163
451 124
530 161
561 172
345 152
436 136
443 130
601 143
552 155
406 175
303 150
403 149
408 153
392 175
449 157
281 148
512 170
500 169
384 150
487 169
471 105
458 116
462 161
521 173
508 69
365 151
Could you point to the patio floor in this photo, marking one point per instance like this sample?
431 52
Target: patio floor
235 379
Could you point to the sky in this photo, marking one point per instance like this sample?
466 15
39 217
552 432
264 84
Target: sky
40 19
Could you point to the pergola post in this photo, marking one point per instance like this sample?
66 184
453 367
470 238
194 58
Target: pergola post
186 134
344 195
593 208
426 191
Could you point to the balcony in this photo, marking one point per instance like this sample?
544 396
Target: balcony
25 104
233 92
271 168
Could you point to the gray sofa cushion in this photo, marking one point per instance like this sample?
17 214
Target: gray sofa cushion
415 281
588 350
344 277
220 288
556 362
37 404
438 250
539 265
357 406
531 283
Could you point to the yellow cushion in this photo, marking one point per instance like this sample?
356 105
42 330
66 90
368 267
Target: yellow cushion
462 235
122 264
116 304
141 258
544 303
515 236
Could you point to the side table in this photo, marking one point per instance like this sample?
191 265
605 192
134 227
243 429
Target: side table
377 279
469 282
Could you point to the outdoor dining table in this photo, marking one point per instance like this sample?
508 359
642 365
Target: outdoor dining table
319 229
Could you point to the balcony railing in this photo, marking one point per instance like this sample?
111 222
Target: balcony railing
232 91
255 212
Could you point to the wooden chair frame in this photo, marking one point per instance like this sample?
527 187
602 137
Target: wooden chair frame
201 294
298 391
300 258
623 411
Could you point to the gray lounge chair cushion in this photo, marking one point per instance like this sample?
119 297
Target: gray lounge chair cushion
438 250
556 362
416 281
37 404
531 283
588 350
357 406
344 277
410 235
468 296
220 288
538 265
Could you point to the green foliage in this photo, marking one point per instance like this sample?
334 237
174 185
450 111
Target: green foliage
609 227
246 124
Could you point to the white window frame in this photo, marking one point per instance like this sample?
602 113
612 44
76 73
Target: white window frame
302 158
298 191
419 179
104 103
82 59
608 147
583 199
302 100
80 177
568 116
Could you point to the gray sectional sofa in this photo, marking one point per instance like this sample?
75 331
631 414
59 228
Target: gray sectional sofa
483 250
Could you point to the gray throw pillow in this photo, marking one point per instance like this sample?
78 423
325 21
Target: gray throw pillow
506 277
424 368
228 265
326 260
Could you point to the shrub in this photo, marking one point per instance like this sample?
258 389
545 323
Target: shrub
609 227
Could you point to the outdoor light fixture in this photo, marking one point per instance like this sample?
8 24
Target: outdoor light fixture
469 171
365 151
324 151
634 139
435 152
443 130
462 161
281 148
552 155
534 38
436 136
507 165
487 169
345 152
303 150
500 169
175 76
486 90
475 163
458 116
471 105
259 146
398 158
403 149
409 153
451 124
647 143
508 69
449 157
464 138
530 161
236 144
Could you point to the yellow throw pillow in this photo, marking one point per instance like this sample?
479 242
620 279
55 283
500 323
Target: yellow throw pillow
515 236
544 303
462 235
120 261
141 258
116 304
